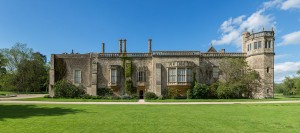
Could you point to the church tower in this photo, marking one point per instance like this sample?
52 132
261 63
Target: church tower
259 47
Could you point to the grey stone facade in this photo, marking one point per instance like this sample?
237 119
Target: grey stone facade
153 71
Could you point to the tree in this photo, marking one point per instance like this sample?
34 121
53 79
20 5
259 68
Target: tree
239 81
16 54
3 62
32 74
289 85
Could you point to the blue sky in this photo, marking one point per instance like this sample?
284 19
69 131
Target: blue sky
57 26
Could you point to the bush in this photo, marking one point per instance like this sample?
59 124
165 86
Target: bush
172 93
104 92
189 94
150 96
125 97
66 89
200 91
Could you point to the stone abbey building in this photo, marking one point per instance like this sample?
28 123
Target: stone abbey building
156 71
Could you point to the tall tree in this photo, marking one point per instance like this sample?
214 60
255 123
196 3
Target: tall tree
16 54
32 74
238 79
3 62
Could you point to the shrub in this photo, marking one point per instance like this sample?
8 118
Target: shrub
172 93
200 91
125 97
104 92
189 94
150 96
66 89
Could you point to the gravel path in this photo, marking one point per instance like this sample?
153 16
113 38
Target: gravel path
22 96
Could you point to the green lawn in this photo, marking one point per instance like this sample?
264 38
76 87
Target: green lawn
277 97
75 100
271 118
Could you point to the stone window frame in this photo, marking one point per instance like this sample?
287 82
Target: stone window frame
259 45
174 67
76 81
255 45
111 69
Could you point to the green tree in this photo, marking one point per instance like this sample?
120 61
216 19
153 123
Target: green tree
239 81
3 62
32 74
16 54
289 85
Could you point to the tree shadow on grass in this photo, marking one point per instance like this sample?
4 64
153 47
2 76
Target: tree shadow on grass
26 111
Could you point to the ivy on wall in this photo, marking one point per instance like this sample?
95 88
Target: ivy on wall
60 69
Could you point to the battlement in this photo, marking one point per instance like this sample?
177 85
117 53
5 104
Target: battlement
252 35
175 53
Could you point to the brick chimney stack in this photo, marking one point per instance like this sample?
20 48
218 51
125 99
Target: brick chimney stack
120 44
103 48
124 41
150 45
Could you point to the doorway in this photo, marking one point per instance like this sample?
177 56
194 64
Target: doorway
141 94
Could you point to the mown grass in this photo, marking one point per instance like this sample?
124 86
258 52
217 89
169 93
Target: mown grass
150 118
277 97
76 100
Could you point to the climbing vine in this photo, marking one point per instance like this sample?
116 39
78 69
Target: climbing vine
59 69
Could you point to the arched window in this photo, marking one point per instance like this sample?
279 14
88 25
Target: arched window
268 70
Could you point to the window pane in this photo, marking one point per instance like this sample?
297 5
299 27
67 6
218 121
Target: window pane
181 75
172 75
113 76
77 76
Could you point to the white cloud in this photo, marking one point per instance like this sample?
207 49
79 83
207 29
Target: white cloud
291 38
232 28
272 3
282 56
290 4
285 69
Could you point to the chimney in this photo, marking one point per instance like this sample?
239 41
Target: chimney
124 41
103 48
120 43
150 45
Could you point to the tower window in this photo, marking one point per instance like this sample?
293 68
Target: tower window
269 44
250 46
259 44
255 45
267 91
268 70
266 44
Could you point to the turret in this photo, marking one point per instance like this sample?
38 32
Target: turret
259 47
